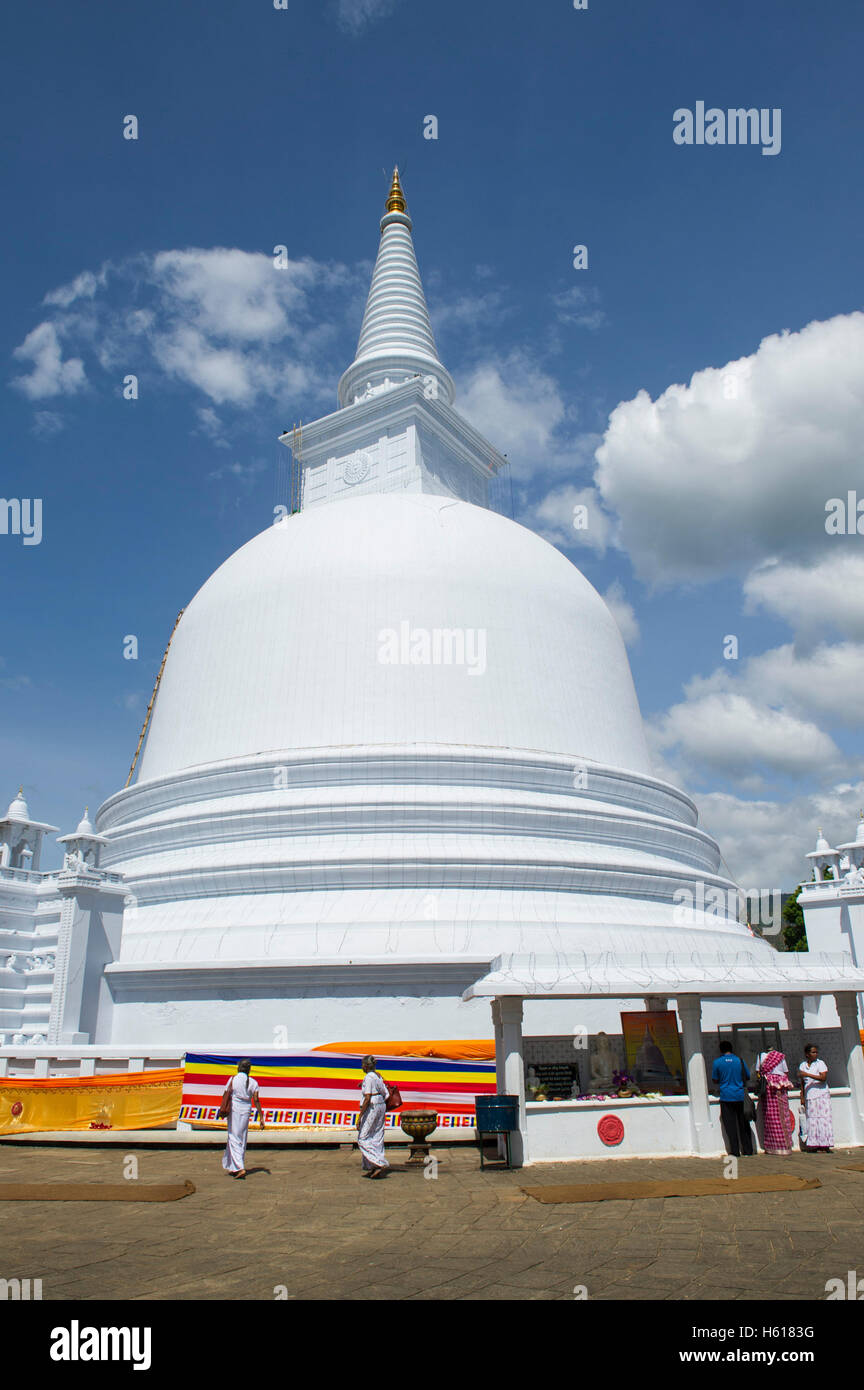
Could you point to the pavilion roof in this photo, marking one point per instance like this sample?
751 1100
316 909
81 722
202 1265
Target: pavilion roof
582 975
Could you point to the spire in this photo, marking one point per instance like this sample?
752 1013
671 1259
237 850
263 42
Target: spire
396 341
396 199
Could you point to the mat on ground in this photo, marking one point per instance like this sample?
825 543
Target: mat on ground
689 1187
95 1191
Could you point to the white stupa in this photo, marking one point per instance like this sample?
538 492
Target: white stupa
396 736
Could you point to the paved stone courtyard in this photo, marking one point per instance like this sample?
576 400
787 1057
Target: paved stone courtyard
304 1219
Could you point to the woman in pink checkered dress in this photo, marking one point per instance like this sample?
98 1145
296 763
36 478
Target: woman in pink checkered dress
776 1125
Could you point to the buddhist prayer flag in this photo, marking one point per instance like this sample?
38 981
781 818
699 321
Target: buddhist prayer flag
120 1100
323 1088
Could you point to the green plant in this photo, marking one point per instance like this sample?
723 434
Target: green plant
794 934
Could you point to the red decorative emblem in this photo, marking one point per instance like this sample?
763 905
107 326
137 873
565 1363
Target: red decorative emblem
17 1108
610 1130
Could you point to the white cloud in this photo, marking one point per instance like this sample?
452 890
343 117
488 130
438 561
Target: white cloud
354 15
50 374
514 404
238 295
580 306
243 472
814 598
715 477
733 734
553 518
229 323
47 423
520 409
467 311
84 286
765 842
824 683
623 612
222 373
211 426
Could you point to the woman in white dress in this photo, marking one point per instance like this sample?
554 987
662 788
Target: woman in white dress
243 1091
816 1098
370 1121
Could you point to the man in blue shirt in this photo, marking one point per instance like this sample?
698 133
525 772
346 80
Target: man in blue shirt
729 1076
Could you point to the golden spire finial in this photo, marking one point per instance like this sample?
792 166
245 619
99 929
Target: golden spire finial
395 198
21 790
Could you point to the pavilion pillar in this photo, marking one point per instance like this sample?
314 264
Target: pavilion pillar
510 1069
499 1047
847 1008
793 1007
690 1014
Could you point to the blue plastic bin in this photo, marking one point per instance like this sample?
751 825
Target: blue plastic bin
496 1114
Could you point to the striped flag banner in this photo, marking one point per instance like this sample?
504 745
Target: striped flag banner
323 1089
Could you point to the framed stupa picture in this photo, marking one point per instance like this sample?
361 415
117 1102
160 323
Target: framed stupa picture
652 1050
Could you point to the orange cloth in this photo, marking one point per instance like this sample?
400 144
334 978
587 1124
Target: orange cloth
118 1100
454 1050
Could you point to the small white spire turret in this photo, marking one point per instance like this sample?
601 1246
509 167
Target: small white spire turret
21 837
853 851
18 807
82 847
823 857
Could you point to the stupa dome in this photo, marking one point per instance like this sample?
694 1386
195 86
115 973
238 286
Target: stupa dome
394 736
286 646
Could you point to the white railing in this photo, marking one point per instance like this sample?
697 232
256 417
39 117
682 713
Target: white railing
22 875
44 1060
836 885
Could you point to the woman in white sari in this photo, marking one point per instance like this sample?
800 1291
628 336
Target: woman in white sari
243 1092
370 1121
816 1100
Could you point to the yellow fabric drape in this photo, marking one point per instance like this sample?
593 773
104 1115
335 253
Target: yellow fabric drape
120 1100
454 1050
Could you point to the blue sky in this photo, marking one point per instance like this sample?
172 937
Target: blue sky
260 127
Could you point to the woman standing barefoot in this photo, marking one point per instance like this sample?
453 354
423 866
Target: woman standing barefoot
817 1101
370 1121
243 1092
775 1118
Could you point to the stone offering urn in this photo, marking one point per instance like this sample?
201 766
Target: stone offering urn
418 1124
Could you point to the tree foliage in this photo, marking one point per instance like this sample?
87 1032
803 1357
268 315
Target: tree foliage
794 935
